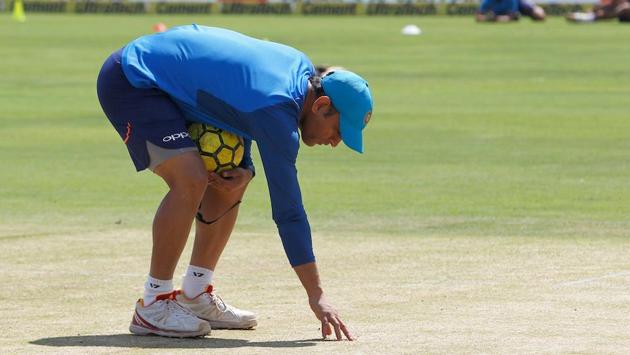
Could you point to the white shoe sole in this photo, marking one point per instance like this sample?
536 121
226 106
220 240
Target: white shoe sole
139 330
231 325
137 327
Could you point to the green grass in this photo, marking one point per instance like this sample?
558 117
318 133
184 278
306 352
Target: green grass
487 125
481 135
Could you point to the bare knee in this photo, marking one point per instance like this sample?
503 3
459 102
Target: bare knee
217 203
190 186
623 12
538 14
185 175
482 17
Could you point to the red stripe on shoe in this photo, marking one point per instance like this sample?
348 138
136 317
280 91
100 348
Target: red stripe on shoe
165 296
141 322
208 290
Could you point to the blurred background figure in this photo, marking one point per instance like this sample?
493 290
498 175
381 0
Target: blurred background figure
508 10
324 69
605 10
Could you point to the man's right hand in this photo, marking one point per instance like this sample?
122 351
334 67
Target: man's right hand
324 310
328 315
230 180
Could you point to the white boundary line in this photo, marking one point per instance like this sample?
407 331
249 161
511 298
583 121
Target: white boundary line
68 272
591 279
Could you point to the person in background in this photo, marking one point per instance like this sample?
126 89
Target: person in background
508 10
605 10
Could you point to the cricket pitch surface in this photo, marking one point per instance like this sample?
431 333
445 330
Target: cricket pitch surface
75 293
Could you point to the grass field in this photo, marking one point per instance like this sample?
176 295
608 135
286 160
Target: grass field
489 213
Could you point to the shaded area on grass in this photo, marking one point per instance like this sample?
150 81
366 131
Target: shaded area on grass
153 342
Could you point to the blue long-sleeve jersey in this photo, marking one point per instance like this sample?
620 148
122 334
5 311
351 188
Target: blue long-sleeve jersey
253 88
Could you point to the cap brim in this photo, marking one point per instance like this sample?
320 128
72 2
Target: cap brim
352 136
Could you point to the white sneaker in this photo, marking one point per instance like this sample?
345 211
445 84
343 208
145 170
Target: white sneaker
219 314
581 17
167 318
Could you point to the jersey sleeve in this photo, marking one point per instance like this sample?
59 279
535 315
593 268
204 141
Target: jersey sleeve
286 203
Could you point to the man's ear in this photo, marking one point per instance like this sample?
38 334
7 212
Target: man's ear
321 103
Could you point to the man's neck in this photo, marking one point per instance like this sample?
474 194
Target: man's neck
308 103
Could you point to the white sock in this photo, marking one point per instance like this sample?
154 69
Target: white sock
154 287
196 280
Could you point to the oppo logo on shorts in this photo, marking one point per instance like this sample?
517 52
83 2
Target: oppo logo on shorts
176 136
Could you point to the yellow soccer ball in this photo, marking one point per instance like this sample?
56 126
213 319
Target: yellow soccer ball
220 150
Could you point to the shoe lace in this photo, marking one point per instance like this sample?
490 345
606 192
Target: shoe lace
174 307
221 305
178 310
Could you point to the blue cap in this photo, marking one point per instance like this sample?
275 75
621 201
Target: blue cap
351 97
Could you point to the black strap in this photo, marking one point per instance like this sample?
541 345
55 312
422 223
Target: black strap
202 220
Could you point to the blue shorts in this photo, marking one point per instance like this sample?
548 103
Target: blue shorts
147 120
508 7
499 7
